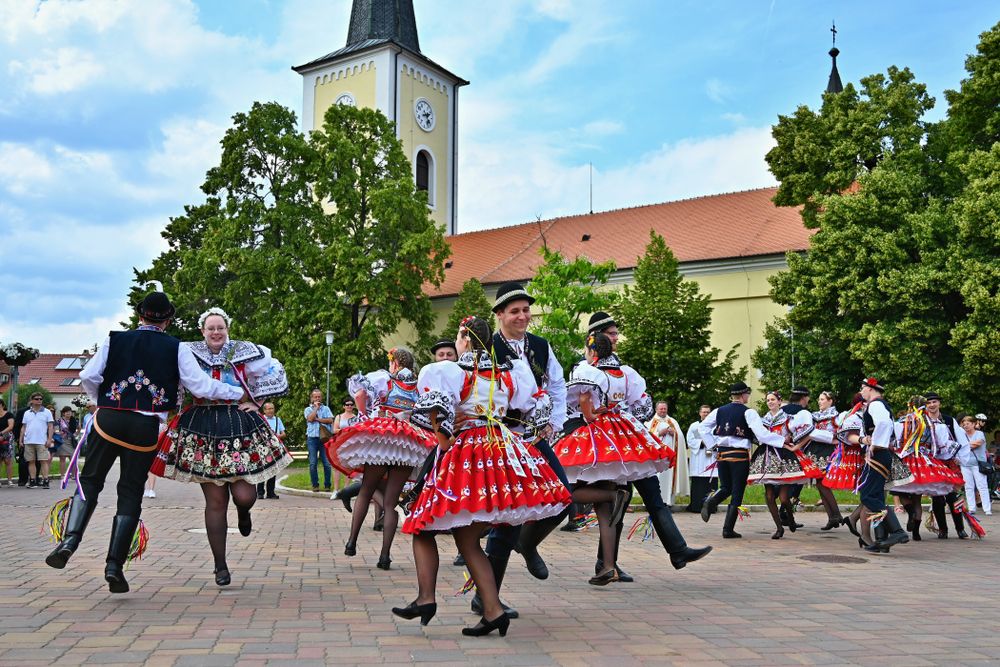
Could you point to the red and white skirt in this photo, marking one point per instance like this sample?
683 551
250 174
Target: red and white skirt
931 476
615 447
379 441
843 468
487 476
777 465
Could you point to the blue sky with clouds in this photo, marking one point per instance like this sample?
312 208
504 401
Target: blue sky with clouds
111 112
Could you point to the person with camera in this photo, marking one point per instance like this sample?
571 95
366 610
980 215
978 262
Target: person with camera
319 428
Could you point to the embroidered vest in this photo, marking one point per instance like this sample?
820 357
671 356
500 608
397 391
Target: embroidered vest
867 420
731 421
141 373
402 395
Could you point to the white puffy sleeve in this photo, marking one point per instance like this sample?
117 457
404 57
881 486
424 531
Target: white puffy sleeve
266 377
946 447
440 387
638 402
375 384
849 425
585 379
802 425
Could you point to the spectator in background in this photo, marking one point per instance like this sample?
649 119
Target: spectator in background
674 480
975 478
22 465
703 477
346 418
67 427
266 489
444 350
319 428
36 438
6 441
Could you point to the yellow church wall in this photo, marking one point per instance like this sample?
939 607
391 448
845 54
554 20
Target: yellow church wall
413 84
357 79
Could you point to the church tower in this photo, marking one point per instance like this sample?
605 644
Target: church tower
382 67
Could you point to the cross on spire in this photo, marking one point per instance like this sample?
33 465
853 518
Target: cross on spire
834 31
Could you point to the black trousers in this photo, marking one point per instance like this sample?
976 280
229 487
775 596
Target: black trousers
502 539
266 487
22 467
128 427
872 491
700 488
937 506
733 465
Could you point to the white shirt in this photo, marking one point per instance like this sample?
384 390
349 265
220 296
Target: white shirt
555 384
884 426
35 426
193 378
764 436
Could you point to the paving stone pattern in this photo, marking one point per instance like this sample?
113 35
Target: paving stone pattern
296 599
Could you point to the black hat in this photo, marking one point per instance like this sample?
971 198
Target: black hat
798 391
600 321
739 389
511 292
932 396
444 342
872 383
155 307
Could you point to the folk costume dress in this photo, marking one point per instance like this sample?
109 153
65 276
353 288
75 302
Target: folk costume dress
214 441
777 465
926 448
489 474
382 435
848 461
616 446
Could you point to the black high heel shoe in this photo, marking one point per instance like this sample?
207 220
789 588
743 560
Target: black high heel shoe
222 577
484 627
778 534
833 523
852 526
424 611
383 563
604 579
350 549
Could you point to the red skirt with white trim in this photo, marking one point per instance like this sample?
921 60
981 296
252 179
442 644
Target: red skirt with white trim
843 468
931 476
615 447
487 477
379 441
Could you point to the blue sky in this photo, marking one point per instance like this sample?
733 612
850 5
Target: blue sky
111 112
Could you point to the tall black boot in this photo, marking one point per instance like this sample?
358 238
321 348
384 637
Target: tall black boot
532 535
889 533
709 507
499 566
80 512
732 513
122 532
670 536
352 490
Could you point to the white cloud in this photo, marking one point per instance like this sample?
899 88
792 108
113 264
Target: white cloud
58 71
734 118
603 128
23 170
68 338
717 91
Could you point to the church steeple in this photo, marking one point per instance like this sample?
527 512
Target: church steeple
384 19
834 85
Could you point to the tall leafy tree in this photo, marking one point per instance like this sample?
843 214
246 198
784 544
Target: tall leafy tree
666 325
565 291
470 301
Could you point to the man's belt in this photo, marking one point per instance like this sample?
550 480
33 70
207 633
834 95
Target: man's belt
732 455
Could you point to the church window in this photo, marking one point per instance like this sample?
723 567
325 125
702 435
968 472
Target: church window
424 175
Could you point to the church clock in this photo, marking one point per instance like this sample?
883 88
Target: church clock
424 114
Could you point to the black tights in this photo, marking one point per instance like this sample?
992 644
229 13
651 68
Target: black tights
773 492
396 477
602 496
244 496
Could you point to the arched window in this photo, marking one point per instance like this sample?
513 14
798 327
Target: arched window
424 175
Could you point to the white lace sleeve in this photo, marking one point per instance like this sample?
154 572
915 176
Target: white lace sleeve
266 377
440 387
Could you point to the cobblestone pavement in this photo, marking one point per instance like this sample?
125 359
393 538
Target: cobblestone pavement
295 599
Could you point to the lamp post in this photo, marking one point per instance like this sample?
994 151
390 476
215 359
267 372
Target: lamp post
329 344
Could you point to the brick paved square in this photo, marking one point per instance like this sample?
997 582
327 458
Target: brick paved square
295 599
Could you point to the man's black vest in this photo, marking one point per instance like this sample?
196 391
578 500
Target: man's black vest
536 350
950 423
731 421
141 373
792 408
867 418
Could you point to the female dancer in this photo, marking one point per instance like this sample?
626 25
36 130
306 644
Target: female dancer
603 445
226 448
923 445
382 444
820 449
778 467
484 474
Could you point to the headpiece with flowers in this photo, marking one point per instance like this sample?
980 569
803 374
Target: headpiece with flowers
213 311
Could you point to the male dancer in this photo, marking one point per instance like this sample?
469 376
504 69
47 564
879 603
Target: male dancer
136 377
649 490
961 441
878 433
512 341
730 430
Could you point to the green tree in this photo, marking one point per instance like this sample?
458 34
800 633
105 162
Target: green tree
24 392
665 323
566 290
300 236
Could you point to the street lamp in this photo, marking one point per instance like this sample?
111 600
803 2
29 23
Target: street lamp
329 344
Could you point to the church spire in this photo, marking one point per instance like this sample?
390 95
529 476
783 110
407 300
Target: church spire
834 85
384 19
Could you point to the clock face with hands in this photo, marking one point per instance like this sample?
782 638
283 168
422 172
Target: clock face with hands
424 114
346 99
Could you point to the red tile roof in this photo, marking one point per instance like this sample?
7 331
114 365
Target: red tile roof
737 224
44 368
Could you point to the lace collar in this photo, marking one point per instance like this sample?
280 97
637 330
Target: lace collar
232 352
404 375
610 362
830 413
468 361
770 420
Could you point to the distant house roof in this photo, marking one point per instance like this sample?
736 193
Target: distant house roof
58 373
716 227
